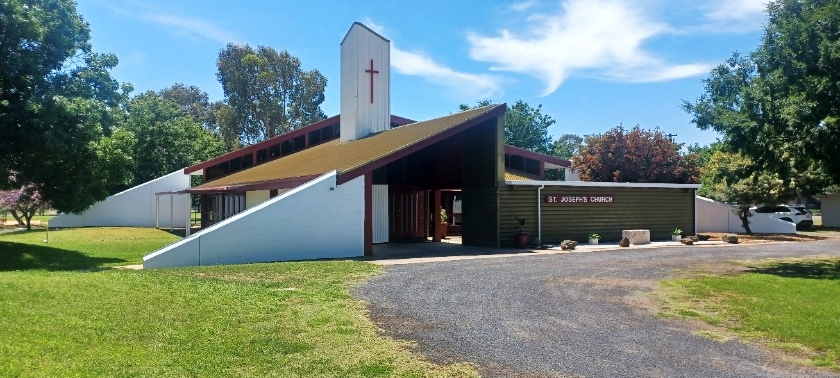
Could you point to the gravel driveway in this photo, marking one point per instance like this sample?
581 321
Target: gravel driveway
569 314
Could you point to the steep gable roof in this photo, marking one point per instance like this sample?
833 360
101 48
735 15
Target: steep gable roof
354 158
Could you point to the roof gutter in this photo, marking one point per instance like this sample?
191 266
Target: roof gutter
602 184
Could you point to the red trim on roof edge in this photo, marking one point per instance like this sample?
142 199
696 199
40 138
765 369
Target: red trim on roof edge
252 149
401 121
369 167
537 156
258 146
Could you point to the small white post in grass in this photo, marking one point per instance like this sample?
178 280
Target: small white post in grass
171 212
47 240
157 211
189 215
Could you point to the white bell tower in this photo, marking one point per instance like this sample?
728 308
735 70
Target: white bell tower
365 83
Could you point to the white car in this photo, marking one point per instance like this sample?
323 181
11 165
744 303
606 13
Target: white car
796 214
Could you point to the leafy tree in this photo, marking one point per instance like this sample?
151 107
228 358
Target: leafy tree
23 203
166 137
733 178
525 126
780 105
58 103
222 120
567 146
268 92
634 156
704 153
192 100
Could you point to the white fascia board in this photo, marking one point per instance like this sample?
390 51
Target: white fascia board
603 184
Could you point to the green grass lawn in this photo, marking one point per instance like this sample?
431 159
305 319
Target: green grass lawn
791 304
80 248
292 319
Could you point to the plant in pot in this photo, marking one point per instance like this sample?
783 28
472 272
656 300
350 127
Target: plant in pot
676 235
444 225
521 236
594 238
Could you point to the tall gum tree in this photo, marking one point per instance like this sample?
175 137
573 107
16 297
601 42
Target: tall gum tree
268 92
526 126
780 105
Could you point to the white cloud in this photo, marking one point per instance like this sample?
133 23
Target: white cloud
600 38
190 26
468 85
523 5
373 26
737 9
184 26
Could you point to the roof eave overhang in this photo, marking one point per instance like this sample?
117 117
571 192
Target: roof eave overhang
603 184
538 156
352 173
285 183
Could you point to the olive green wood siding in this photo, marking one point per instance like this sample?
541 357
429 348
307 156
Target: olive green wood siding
481 218
659 210
483 173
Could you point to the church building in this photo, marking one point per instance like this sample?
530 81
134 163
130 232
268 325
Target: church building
336 188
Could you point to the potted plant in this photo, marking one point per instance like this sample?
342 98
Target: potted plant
444 225
521 236
593 238
676 235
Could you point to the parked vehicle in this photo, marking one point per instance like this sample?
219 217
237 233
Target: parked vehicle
796 214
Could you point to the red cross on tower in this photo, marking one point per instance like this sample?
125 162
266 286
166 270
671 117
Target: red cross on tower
371 71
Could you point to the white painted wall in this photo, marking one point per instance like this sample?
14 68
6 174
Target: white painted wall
380 213
830 210
318 219
571 175
360 117
135 207
713 216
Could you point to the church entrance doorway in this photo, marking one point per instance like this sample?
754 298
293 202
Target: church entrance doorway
407 215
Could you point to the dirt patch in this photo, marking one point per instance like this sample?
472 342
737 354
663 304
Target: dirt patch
763 238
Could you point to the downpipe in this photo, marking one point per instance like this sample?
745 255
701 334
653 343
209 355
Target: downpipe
539 213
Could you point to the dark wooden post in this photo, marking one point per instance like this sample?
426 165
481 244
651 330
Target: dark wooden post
436 215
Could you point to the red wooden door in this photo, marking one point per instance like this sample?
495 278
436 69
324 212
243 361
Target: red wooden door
407 214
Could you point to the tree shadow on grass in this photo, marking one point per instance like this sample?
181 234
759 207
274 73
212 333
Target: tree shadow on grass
22 256
815 269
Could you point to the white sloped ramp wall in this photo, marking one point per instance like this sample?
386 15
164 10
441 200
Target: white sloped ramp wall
135 207
318 219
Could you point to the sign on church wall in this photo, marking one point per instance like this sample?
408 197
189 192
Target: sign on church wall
578 198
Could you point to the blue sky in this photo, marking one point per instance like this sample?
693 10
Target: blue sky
592 64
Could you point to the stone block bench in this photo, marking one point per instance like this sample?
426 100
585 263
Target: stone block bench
636 236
